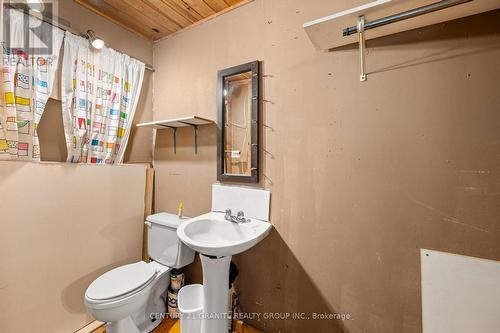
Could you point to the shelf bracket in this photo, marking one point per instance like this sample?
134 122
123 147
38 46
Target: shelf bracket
361 35
195 139
195 130
174 133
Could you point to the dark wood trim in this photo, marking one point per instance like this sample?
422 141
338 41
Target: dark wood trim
254 67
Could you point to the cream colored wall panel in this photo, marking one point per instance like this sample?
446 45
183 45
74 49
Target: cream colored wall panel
460 294
63 225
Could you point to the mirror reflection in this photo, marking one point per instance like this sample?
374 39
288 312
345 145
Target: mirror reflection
238 123
238 129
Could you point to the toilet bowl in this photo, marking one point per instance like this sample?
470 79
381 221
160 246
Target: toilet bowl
132 298
129 298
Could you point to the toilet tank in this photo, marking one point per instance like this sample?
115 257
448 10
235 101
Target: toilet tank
164 246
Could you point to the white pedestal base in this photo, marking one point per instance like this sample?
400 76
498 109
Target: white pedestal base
216 291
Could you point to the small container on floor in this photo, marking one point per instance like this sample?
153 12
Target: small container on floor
172 304
191 308
176 279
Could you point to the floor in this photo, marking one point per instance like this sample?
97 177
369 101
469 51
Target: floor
168 326
173 326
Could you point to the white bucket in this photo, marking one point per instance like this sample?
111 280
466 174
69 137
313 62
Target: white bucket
190 305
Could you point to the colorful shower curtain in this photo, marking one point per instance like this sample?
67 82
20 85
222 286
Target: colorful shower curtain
99 92
28 71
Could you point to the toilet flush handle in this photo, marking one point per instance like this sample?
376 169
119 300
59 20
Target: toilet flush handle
148 224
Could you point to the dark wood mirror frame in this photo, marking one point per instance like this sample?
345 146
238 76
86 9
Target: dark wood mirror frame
254 67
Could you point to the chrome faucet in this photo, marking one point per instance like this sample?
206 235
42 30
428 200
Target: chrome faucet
239 218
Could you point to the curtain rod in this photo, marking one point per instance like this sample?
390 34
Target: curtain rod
65 28
405 15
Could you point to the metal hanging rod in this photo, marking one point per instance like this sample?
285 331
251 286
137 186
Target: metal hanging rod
405 15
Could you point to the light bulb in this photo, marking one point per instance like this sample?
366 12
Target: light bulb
36 5
98 43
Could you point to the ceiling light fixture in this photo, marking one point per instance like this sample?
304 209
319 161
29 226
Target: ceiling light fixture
96 42
36 5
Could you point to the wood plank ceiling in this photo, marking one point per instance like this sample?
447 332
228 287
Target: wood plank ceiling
154 19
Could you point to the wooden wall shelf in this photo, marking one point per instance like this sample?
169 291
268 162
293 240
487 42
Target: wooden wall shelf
175 123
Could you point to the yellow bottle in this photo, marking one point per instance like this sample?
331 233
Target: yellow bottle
180 210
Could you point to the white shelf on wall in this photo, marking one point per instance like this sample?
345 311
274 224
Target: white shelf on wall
385 17
175 123
326 33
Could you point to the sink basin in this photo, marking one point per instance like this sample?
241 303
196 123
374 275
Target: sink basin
217 240
210 234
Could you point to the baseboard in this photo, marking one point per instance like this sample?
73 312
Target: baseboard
93 326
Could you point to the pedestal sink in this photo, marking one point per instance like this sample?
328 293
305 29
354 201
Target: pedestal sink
217 240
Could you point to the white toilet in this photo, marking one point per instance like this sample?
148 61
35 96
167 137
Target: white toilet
132 298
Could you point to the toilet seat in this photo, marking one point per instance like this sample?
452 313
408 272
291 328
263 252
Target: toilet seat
121 282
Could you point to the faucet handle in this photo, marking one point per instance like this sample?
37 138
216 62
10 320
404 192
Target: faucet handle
228 212
240 217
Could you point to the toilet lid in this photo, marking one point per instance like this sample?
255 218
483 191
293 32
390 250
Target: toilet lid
121 280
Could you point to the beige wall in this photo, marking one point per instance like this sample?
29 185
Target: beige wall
362 174
63 225
51 132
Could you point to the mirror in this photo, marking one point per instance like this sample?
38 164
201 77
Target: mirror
238 123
